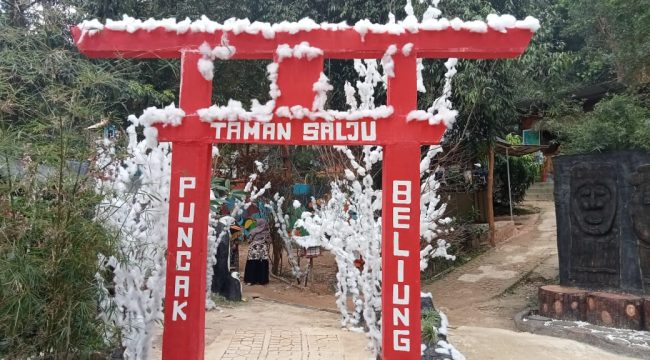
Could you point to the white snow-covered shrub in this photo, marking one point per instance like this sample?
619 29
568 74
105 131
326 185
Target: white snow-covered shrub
135 207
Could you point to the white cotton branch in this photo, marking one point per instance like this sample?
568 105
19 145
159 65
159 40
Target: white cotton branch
387 62
320 88
350 96
441 111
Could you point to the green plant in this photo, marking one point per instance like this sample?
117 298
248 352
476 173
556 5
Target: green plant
523 172
49 242
431 321
223 191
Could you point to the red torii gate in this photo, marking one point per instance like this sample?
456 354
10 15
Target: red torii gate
192 141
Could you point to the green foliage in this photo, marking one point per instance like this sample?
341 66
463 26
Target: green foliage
49 243
430 324
619 122
223 191
523 172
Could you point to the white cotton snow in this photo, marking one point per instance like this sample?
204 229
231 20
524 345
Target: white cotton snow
430 22
406 49
387 62
302 50
320 88
223 52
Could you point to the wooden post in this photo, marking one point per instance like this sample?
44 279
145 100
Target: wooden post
490 194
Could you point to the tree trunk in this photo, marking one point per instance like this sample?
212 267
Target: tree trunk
287 163
490 194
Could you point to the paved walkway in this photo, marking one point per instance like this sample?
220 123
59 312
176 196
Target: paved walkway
265 330
467 293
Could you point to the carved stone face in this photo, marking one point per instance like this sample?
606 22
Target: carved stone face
641 204
593 192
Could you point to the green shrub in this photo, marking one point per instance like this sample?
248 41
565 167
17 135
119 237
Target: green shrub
523 172
48 261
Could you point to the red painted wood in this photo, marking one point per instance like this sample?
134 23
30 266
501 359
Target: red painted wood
189 201
345 44
295 80
401 252
190 179
401 244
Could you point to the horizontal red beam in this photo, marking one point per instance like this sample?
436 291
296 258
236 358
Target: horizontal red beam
342 44
282 131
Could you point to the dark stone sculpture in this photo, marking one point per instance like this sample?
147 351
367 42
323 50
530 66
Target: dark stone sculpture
603 220
640 213
593 209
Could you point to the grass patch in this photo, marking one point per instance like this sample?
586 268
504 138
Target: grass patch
221 301
430 323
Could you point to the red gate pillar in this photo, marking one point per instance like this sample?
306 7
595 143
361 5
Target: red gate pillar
401 225
189 202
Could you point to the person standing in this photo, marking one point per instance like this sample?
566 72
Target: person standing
257 262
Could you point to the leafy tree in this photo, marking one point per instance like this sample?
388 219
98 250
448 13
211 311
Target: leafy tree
617 123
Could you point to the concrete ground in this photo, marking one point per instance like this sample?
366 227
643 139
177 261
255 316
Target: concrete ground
498 344
481 299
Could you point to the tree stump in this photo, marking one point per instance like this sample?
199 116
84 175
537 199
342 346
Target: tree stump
615 310
563 303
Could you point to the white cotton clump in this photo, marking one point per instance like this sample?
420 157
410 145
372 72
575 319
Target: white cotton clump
205 63
420 78
206 68
298 112
431 13
501 23
321 87
350 175
406 49
272 75
170 115
302 50
476 26
529 23
296 204
456 24
260 166
284 51
235 111
387 62
410 23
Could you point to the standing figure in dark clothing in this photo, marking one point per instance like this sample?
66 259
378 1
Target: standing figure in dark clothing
257 263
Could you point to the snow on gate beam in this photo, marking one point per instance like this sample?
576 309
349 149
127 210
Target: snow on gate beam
341 44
